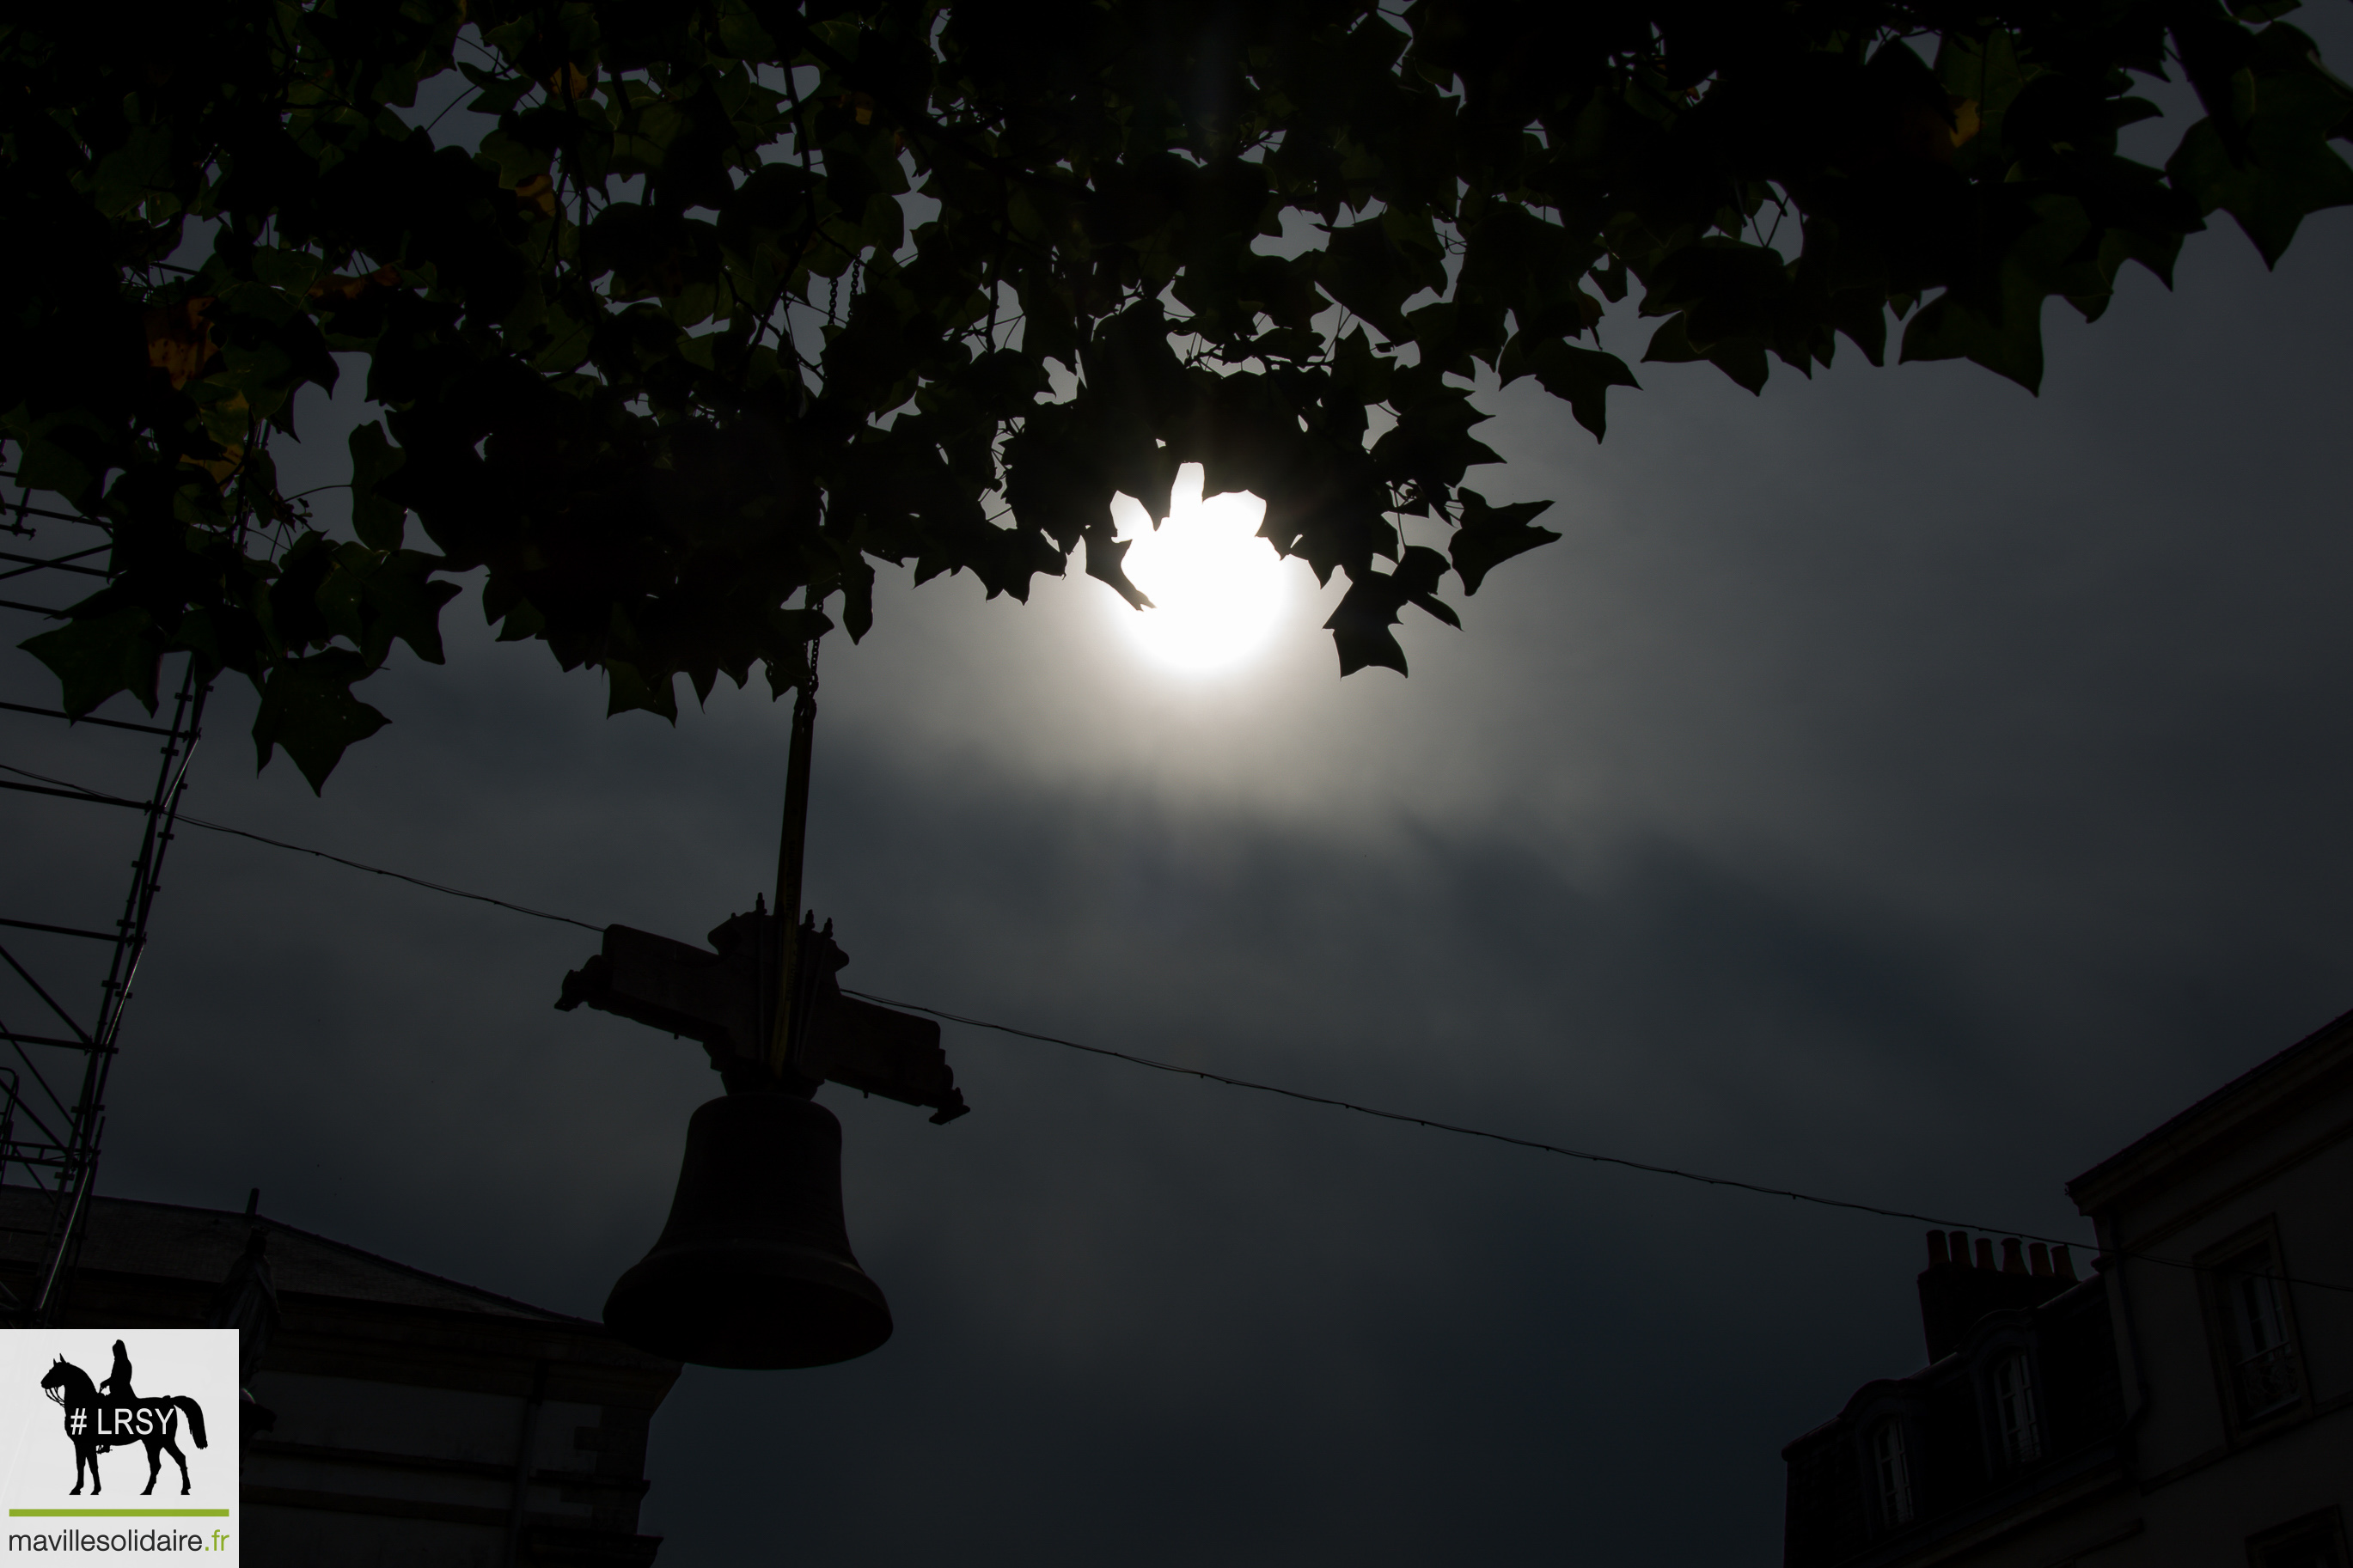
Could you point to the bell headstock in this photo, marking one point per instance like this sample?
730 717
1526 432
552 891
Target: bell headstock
729 998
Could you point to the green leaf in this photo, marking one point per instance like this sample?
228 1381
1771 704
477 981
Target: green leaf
498 96
135 172
375 598
405 603
1365 269
1360 625
1582 377
1106 551
1997 320
376 518
308 708
1742 359
1983 69
2287 169
1430 444
95 659
1131 367
1490 536
741 34
627 689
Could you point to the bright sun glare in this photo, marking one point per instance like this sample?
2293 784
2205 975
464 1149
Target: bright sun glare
1216 587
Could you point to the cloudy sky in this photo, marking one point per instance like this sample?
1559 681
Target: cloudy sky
1897 786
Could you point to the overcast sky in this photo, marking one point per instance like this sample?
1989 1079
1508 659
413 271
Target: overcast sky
1897 786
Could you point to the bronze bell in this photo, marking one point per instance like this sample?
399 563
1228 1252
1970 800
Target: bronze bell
754 1269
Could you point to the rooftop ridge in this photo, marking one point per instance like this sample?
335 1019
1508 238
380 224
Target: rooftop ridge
2313 1044
99 1204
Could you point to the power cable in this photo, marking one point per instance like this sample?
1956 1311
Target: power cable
1791 1194
1540 1147
1586 1155
1436 1126
81 791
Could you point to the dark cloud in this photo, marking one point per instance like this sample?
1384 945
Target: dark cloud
1896 787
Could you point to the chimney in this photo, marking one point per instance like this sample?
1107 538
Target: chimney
2040 1255
1956 1292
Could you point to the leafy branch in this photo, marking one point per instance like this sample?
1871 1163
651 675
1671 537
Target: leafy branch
732 302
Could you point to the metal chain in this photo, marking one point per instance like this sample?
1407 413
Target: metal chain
809 601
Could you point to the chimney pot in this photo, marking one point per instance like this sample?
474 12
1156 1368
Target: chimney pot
2013 1257
2041 1257
1984 1253
1938 1256
2061 1263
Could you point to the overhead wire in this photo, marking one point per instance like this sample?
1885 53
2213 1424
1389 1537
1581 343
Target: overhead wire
1408 1118
1437 1126
82 792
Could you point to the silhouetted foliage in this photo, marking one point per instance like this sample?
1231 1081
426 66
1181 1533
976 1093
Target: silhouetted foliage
740 297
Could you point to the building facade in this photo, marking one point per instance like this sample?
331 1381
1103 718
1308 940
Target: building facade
392 1416
2192 1402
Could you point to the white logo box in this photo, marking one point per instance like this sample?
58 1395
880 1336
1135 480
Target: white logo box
182 1382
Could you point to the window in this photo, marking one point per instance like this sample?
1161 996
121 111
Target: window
2259 1358
1893 1468
2315 1541
2013 1406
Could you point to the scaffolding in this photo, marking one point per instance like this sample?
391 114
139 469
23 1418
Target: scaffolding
53 1091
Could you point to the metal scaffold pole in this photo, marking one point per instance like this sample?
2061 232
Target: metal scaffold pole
53 1092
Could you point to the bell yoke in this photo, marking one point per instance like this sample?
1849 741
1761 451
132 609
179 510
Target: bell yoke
753 1268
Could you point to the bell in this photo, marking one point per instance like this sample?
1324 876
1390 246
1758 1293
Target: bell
754 1269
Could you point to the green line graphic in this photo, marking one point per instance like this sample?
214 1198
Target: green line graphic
118 1513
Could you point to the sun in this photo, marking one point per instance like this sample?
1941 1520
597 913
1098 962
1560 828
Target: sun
1216 589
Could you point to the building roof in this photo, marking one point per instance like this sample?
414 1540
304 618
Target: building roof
173 1241
2267 1088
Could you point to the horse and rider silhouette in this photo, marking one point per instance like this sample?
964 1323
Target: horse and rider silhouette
96 1422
